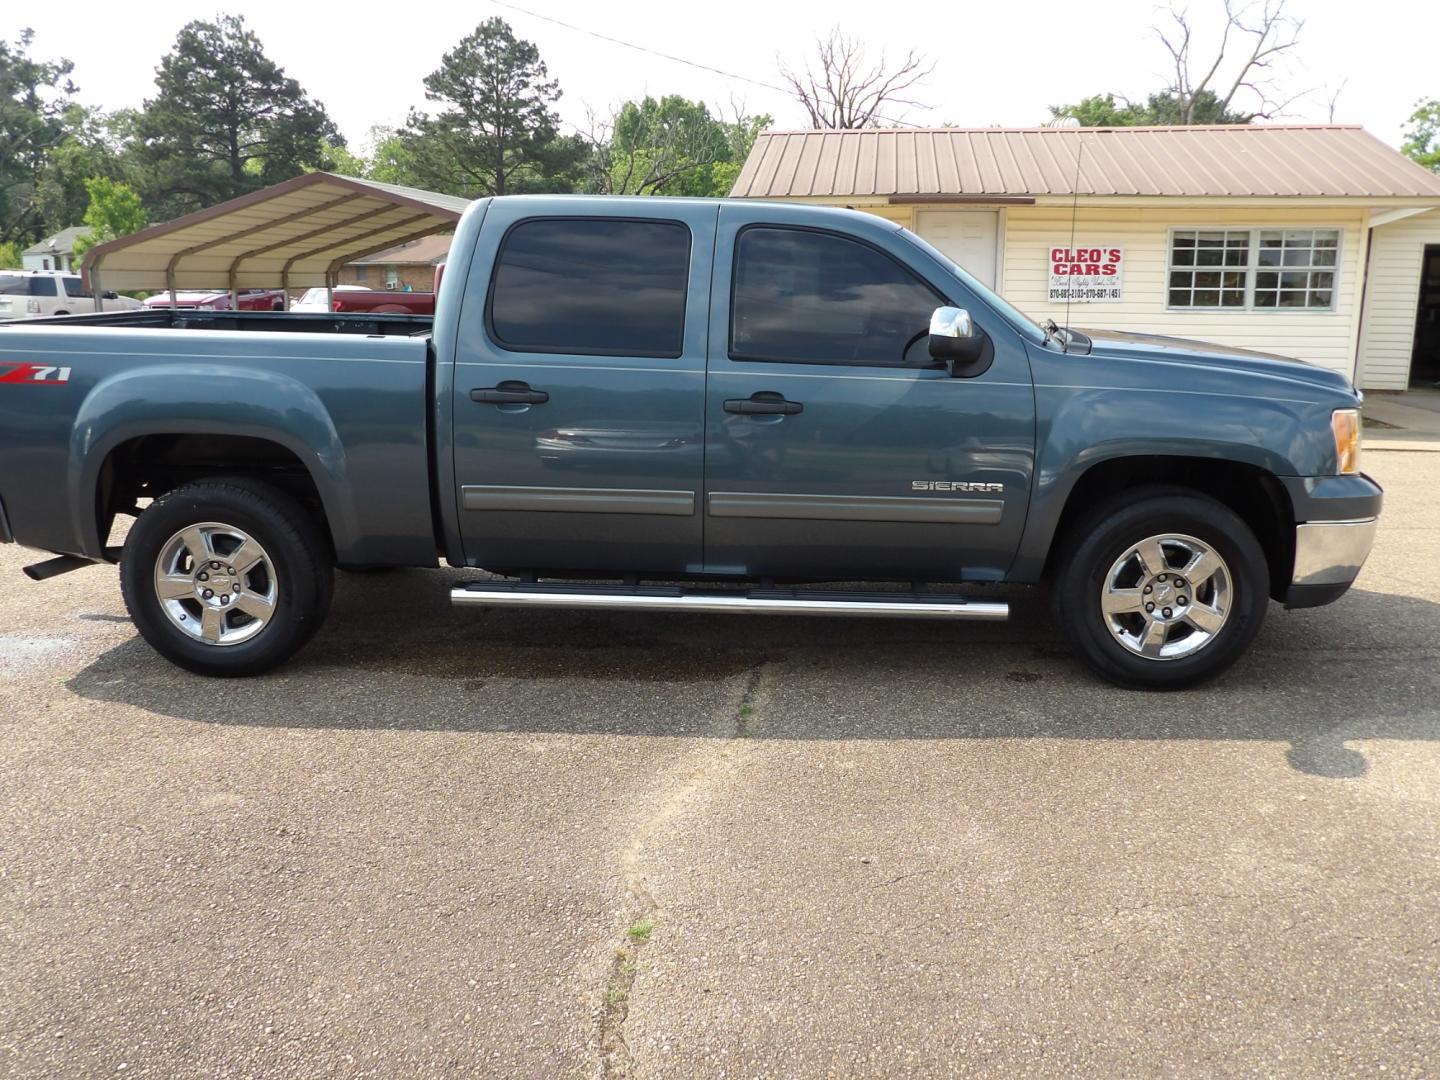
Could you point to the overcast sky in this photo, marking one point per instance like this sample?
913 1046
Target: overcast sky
995 63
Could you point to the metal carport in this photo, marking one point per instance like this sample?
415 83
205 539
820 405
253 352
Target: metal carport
294 234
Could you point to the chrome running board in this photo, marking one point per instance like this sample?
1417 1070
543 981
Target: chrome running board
894 605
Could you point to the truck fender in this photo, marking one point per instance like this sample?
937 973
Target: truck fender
1080 433
208 399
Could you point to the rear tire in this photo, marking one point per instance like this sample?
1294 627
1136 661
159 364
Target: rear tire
1173 624
227 577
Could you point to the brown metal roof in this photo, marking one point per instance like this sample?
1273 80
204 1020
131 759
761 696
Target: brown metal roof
299 231
1232 160
428 252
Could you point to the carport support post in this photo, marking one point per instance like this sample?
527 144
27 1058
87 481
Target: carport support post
285 288
234 292
330 290
170 287
95 289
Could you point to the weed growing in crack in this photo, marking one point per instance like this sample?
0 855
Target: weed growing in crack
640 930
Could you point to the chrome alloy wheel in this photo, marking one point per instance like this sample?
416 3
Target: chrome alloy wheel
216 584
1166 597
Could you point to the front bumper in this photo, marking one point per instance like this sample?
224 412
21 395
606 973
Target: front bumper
1337 518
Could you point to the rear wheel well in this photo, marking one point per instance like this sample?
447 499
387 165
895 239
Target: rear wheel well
151 465
1254 494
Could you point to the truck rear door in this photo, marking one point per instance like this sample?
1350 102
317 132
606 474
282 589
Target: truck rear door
579 388
837 448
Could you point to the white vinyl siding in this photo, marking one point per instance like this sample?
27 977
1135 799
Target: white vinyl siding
1322 336
1392 298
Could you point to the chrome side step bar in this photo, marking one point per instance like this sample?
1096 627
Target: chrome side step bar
893 605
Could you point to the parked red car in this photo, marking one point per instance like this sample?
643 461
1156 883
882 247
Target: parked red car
374 301
250 300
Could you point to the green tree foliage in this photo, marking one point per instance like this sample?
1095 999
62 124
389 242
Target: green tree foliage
1422 137
93 145
34 98
114 210
671 146
1163 107
225 120
496 130
9 255
392 157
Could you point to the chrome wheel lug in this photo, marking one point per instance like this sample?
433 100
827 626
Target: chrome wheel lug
224 600
1149 607
214 566
203 576
1149 589
236 588
209 594
1168 613
1182 601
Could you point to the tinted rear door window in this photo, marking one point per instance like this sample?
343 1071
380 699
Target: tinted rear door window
592 286
42 286
74 287
805 297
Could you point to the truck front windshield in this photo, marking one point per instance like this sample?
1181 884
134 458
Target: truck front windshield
1008 311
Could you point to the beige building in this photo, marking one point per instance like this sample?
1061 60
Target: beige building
1313 241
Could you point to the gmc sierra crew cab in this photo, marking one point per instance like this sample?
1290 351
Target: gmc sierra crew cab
685 405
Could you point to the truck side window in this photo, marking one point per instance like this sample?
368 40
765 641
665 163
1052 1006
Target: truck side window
591 286
808 297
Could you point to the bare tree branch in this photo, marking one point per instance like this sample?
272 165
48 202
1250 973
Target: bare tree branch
1271 33
848 93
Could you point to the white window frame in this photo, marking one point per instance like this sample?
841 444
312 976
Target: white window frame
1251 267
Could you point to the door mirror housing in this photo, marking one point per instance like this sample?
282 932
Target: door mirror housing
964 349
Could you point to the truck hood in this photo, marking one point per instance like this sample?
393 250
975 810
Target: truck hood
1208 354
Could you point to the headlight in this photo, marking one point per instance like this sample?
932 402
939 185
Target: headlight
1345 425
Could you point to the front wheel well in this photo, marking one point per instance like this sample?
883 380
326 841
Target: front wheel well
1254 494
147 467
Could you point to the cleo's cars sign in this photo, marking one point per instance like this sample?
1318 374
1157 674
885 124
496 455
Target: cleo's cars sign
1086 275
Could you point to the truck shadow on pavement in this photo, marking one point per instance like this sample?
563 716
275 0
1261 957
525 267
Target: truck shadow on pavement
395 655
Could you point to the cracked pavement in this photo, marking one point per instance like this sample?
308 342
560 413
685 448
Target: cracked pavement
863 848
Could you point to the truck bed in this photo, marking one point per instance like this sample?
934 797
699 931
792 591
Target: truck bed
97 391
289 322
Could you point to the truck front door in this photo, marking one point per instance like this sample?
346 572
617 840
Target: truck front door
579 389
836 447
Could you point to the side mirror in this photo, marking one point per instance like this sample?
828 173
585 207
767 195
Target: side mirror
109 294
954 340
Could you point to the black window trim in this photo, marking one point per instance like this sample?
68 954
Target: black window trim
942 298
500 343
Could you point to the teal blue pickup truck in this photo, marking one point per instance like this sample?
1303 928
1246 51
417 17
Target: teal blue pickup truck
685 405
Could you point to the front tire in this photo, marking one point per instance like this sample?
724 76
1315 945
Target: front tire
226 577
1161 589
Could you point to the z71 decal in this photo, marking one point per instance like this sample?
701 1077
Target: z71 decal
32 373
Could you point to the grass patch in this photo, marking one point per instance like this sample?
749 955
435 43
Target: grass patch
640 930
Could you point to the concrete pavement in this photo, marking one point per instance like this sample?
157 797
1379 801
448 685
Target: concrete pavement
518 843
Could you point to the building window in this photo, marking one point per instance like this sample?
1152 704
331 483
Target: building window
392 277
360 272
1297 268
1253 269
